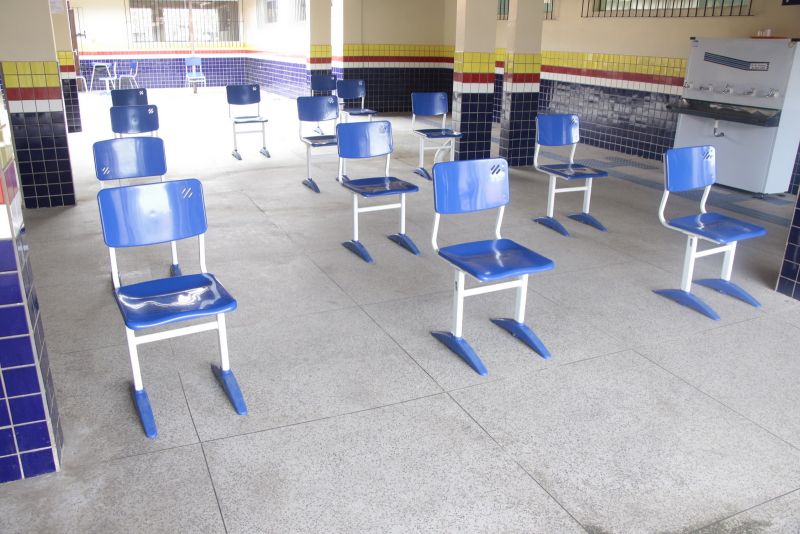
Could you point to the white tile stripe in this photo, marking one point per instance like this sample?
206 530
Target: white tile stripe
5 224
619 84
31 106
473 88
68 75
525 87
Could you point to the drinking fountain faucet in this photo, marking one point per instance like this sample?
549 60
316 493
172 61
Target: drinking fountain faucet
727 90
705 87
772 93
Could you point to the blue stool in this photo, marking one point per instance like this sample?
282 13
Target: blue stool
246 95
323 83
689 169
316 109
129 158
466 187
563 130
432 105
140 215
132 120
193 72
353 90
360 140
129 97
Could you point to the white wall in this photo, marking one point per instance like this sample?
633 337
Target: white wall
26 32
104 23
283 37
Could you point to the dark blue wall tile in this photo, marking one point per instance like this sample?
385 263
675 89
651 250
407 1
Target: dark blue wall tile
13 321
10 292
5 419
27 409
38 463
15 351
33 436
9 469
8 255
21 381
7 442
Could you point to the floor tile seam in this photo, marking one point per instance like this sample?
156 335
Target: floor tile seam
720 521
319 419
202 449
71 467
714 325
511 457
719 402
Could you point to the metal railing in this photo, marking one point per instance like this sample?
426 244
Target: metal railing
665 8
503 9
155 22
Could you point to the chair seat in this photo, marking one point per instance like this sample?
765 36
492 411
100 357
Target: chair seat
380 186
359 111
495 259
320 140
169 300
572 171
439 133
249 119
718 227
195 75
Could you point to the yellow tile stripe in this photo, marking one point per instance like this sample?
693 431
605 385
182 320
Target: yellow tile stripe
664 66
320 51
481 62
65 57
523 63
402 50
26 74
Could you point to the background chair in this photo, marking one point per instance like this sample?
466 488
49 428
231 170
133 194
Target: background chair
246 95
432 105
129 97
361 140
101 68
133 71
353 90
193 68
140 215
323 83
110 78
689 169
466 187
563 130
129 158
134 120
317 109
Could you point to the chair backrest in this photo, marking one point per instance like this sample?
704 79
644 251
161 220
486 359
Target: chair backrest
470 185
134 66
193 64
317 108
689 168
350 88
241 95
129 97
557 130
134 119
429 103
139 215
364 139
129 157
323 82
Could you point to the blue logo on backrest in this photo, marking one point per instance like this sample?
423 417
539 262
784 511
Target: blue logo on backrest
186 193
150 111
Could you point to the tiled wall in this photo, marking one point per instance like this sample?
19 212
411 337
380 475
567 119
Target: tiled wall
30 430
69 88
285 78
794 186
519 108
39 131
473 103
168 71
789 280
499 72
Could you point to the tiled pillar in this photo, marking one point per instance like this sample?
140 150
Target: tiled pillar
30 432
319 31
521 83
66 63
473 77
789 279
32 87
499 72
345 32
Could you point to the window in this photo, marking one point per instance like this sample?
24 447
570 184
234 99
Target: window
292 11
503 9
665 8
182 21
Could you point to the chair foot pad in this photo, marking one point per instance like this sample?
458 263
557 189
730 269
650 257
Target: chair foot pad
463 349
142 403
264 152
523 332
553 224
404 241
729 288
311 184
422 171
358 249
175 270
236 155
689 300
588 220
228 382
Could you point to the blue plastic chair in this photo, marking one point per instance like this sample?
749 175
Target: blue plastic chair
323 83
361 140
432 105
353 90
129 97
317 109
110 77
690 169
132 120
141 215
131 158
466 187
193 68
246 95
563 130
133 71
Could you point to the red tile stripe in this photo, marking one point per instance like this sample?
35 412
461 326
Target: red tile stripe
319 60
522 77
473 77
67 68
500 64
34 93
617 75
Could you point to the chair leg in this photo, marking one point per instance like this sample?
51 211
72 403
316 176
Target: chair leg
517 327
550 221
264 152
724 284
401 238
224 374
684 295
309 181
355 245
421 171
175 268
453 340
140 399
584 217
235 152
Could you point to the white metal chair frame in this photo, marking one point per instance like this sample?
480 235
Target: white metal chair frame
249 119
552 190
450 143
309 147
